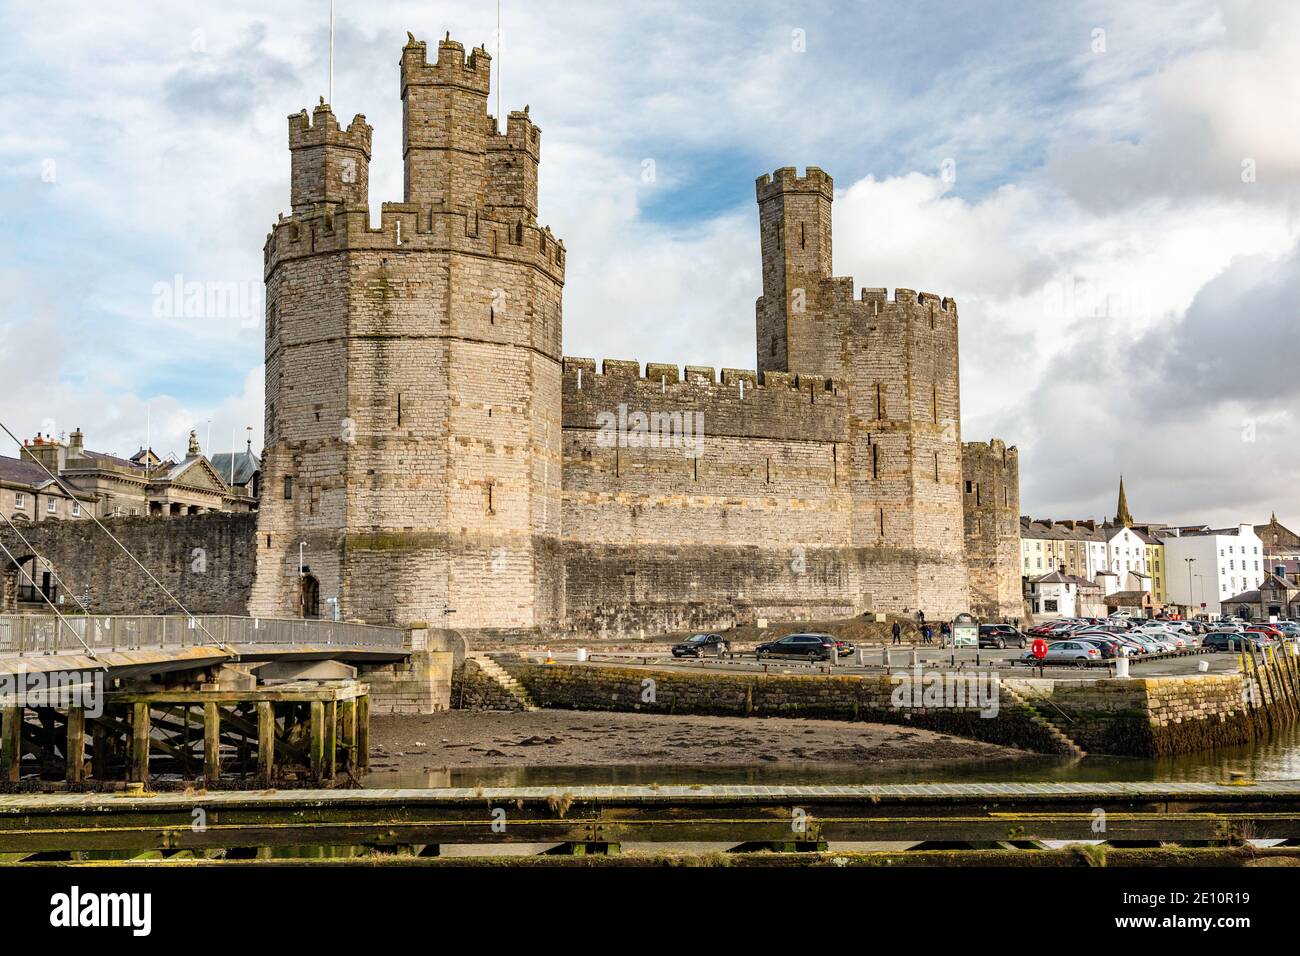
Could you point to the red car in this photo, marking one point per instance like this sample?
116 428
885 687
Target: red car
1267 629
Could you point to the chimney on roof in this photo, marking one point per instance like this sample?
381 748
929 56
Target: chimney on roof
76 444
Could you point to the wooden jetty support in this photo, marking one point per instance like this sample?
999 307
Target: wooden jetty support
598 820
242 732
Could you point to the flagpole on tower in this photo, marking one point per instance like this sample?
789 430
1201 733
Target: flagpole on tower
500 119
331 86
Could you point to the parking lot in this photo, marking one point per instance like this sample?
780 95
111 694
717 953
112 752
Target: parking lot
1006 662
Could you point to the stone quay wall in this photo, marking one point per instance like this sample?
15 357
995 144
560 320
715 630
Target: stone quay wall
849 698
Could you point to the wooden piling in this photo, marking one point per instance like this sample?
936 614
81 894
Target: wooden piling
348 734
211 743
331 739
140 732
76 749
363 732
265 742
99 740
11 746
318 739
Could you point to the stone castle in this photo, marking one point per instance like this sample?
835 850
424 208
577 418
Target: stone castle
432 456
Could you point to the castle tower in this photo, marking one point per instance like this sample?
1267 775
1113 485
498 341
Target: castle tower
413 371
991 503
794 215
899 359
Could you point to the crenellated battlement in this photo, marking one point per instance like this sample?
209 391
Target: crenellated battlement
737 403
452 68
520 134
413 228
321 128
908 297
660 374
787 180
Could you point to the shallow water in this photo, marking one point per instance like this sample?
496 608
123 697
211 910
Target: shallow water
1275 759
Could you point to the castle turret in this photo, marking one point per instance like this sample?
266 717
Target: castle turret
795 233
445 125
329 164
513 157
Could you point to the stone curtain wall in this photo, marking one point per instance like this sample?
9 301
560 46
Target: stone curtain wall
748 516
207 561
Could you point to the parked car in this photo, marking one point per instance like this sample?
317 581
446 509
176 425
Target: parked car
702 645
1227 640
1071 651
844 648
1152 643
1108 646
1001 635
813 647
1266 629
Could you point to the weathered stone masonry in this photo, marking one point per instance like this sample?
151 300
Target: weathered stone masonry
206 561
443 463
432 457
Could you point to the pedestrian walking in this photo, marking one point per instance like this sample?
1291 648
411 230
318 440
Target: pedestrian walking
928 633
898 633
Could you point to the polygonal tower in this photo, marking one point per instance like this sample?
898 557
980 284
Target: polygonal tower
899 358
413 371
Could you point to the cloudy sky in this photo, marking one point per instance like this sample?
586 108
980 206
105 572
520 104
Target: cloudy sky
1109 190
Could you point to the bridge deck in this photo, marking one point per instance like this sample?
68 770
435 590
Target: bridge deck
870 794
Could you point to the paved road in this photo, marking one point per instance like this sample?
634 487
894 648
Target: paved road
1000 661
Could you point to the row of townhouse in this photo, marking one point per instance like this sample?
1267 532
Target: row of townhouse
1088 568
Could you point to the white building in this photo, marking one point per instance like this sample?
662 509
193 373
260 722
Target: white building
1125 551
1056 595
1206 568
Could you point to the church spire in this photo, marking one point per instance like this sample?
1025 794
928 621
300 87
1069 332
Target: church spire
1122 515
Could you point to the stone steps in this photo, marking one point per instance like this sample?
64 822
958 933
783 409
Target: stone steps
1046 718
498 674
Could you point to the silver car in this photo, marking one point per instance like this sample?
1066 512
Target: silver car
1073 652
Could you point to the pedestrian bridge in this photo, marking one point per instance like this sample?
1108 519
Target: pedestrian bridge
136 645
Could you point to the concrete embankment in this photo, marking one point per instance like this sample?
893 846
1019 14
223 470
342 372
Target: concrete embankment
1140 717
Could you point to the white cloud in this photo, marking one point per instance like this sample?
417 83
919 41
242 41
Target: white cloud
1098 197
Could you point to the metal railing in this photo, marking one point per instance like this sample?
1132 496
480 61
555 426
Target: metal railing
41 634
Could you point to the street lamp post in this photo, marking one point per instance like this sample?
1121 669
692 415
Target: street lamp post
1190 562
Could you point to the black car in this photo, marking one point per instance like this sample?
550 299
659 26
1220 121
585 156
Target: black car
1001 635
1230 641
702 645
812 647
